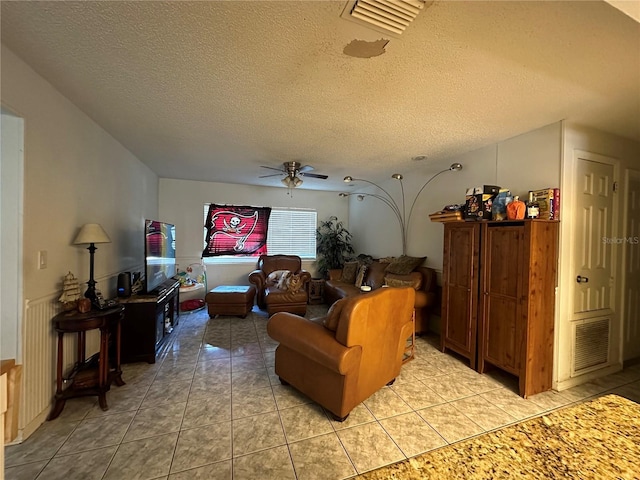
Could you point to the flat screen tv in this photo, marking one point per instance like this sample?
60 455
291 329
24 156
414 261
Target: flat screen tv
159 252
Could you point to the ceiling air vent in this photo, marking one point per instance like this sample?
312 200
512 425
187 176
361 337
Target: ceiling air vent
387 16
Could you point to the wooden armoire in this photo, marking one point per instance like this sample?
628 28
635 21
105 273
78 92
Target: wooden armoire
498 297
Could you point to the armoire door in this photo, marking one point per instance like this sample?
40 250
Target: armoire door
631 264
503 316
460 289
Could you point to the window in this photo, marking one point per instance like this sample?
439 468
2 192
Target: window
292 231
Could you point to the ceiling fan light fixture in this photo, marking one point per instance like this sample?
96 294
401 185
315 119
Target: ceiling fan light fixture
293 171
291 182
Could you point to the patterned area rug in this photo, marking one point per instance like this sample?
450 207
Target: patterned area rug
598 439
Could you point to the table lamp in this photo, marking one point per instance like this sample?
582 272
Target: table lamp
91 233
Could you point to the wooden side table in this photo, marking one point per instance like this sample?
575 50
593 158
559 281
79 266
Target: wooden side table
91 376
316 291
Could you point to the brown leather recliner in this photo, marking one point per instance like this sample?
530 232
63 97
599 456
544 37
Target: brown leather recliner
271 297
342 359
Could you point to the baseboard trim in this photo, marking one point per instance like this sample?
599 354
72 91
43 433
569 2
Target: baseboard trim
587 377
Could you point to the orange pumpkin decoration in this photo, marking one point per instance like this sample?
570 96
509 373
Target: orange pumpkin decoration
516 209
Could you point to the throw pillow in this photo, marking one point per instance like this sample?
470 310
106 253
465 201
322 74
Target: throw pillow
333 315
376 274
293 283
364 259
396 282
414 280
404 264
360 276
387 259
349 272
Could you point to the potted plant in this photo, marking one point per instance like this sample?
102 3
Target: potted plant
333 245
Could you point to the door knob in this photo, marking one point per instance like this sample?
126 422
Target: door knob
581 279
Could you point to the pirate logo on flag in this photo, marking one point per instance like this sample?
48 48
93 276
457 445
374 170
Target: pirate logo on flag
236 230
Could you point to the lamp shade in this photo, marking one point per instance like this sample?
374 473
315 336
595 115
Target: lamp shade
91 233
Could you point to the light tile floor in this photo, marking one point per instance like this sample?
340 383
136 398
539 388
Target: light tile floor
213 408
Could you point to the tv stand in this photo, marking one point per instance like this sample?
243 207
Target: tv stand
148 322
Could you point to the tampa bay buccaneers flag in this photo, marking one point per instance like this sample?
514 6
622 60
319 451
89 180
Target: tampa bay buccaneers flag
236 230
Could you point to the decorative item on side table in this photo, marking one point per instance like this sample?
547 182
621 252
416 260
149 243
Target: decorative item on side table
70 293
84 305
91 233
386 198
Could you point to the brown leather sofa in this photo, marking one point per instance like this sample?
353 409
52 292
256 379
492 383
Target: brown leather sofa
277 298
342 359
422 279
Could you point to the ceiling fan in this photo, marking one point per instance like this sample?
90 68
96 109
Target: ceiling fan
293 171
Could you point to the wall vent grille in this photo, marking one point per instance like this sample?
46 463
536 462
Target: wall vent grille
591 344
388 16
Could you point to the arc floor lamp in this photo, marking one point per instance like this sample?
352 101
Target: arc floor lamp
386 198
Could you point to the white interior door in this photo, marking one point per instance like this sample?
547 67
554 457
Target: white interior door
594 228
593 316
631 318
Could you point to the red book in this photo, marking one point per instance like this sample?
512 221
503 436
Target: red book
556 204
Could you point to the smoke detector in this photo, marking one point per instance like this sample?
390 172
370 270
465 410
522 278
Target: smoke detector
387 16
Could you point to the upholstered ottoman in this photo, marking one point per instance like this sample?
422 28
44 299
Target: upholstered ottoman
230 300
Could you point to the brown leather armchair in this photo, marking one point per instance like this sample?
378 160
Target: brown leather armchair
277 298
342 359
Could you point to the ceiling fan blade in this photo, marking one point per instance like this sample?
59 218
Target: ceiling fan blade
272 175
314 175
272 168
306 168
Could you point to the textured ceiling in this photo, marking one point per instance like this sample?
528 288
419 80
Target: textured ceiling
212 90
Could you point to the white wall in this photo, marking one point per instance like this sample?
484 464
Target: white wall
527 162
11 185
530 161
182 202
75 173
